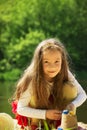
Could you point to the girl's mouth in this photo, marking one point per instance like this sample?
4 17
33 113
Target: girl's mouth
51 71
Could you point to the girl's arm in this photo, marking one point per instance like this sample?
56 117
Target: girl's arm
81 94
24 109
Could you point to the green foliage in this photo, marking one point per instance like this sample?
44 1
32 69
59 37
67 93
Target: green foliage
21 53
23 24
82 78
11 75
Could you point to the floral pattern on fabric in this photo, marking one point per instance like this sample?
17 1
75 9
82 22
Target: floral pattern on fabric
22 120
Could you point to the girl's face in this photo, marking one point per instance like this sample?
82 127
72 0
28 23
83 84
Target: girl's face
51 61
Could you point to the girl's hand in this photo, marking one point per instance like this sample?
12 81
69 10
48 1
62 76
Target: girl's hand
53 114
70 107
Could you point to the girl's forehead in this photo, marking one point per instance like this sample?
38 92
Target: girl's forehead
52 54
52 50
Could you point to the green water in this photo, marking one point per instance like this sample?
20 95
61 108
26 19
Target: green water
6 91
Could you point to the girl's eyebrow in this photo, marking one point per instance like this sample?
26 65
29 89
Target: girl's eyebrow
48 59
45 59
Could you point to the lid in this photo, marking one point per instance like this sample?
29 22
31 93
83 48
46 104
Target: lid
65 111
59 128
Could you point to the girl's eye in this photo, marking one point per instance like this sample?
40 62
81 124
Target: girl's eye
45 61
56 61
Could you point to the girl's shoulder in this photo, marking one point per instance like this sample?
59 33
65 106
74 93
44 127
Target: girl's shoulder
29 90
71 76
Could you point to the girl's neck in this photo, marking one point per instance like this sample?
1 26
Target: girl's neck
50 80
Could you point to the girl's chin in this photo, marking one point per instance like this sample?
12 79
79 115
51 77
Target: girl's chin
50 78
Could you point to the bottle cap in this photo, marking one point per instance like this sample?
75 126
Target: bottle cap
65 111
59 128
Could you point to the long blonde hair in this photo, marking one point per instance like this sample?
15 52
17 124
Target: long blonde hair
34 73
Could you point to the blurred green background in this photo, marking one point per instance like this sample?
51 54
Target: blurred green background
25 23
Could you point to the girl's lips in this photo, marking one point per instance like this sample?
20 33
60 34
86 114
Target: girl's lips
51 71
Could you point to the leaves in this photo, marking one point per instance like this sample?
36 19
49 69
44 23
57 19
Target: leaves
23 24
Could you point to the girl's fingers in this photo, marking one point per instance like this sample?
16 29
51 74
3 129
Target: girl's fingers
57 116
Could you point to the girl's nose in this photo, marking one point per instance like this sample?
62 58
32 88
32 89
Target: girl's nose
52 65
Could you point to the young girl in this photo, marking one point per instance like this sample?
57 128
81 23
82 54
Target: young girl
40 90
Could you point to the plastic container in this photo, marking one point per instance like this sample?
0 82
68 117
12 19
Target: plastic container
68 121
